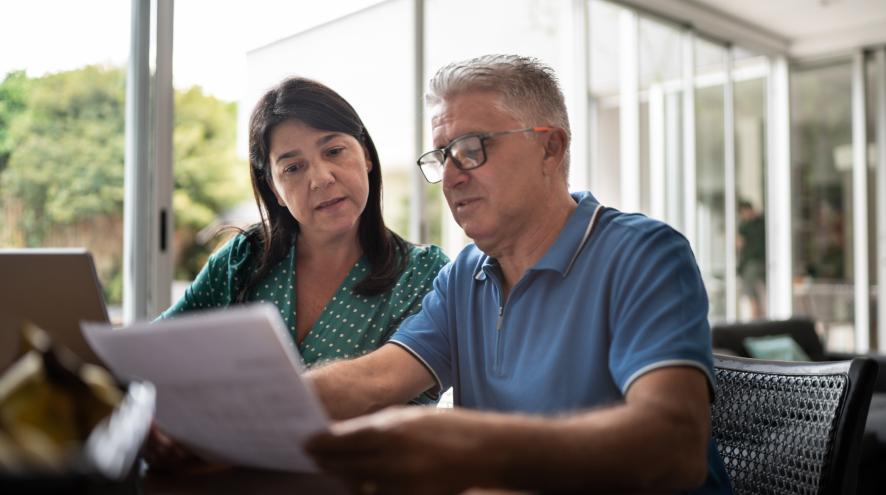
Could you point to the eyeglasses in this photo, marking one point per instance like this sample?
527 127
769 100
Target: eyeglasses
465 152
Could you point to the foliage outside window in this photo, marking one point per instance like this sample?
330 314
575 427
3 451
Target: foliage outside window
62 166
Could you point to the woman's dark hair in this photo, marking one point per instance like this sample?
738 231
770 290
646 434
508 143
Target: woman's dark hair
317 106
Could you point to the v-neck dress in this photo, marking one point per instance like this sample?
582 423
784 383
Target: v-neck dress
350 325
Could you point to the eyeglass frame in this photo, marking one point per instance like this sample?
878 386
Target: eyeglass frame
483 137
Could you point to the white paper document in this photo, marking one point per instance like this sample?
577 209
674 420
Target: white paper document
228 383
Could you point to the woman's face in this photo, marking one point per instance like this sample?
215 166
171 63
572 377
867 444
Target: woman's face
322 177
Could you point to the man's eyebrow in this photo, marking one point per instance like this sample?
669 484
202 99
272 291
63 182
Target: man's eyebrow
297 152
464 134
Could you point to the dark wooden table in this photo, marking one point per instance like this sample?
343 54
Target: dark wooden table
240 480
243 480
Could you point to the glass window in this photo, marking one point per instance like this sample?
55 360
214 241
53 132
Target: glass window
710 172
604 95
874 259
660 54
660 48
62 108
821 154
750 189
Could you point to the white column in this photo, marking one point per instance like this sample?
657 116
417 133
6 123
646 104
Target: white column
860 205
578 97
657 153
880 84
674 176
161 214
690 193
730 186
629 111
417 224
594 165
779 254
136 217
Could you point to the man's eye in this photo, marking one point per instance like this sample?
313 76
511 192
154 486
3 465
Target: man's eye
469 147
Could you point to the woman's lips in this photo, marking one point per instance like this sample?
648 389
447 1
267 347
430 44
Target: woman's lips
329 203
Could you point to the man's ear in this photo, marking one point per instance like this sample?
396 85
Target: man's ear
555 145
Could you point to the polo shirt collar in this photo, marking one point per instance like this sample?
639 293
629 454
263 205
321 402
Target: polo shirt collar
569 243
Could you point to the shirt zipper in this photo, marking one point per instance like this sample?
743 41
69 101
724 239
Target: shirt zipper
499 339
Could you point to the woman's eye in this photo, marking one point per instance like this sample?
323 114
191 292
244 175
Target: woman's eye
335 151
294 167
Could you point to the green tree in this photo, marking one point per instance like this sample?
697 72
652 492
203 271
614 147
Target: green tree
12 103
209 178
62 161
66 160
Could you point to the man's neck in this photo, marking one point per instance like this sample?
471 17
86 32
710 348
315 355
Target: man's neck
537 238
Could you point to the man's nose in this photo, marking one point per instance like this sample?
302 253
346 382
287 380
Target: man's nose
452 175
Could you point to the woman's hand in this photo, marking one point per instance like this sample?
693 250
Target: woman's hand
162 453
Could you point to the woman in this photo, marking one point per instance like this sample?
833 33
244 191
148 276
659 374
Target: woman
342 281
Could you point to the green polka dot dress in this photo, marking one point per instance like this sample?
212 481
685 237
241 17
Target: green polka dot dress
349 326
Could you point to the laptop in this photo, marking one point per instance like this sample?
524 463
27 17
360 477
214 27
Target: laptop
55 289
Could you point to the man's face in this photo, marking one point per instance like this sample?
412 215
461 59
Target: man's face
494 203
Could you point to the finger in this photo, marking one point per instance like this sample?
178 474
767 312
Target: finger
350 470
364 441
381 483
379 463
356 462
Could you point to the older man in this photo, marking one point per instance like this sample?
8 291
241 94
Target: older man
575 337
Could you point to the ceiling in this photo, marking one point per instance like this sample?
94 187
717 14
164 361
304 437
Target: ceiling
810 27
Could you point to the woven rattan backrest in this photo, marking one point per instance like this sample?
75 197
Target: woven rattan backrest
775 430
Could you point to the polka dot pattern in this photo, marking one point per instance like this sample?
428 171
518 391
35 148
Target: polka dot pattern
349 326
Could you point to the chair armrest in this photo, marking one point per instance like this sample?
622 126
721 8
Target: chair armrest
880 383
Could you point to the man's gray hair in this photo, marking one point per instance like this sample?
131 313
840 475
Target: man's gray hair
529 89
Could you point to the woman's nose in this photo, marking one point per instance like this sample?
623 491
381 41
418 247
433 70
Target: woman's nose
321 176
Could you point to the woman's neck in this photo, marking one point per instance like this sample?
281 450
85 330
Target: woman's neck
329 251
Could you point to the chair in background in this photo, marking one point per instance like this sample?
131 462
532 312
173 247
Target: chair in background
791 428
733 338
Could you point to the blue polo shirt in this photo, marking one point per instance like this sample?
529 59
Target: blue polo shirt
616 296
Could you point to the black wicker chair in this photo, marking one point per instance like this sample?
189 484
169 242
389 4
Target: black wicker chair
791 428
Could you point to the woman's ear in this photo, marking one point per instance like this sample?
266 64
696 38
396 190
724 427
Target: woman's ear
270 182
368 160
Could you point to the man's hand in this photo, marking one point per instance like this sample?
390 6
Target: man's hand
404 450
655 441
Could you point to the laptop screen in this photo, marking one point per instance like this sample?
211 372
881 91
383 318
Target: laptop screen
53 288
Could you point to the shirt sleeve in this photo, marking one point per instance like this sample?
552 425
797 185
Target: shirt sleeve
212 287
659 309
417 280
426 335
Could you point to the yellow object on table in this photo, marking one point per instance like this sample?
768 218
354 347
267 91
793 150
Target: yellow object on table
50 402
